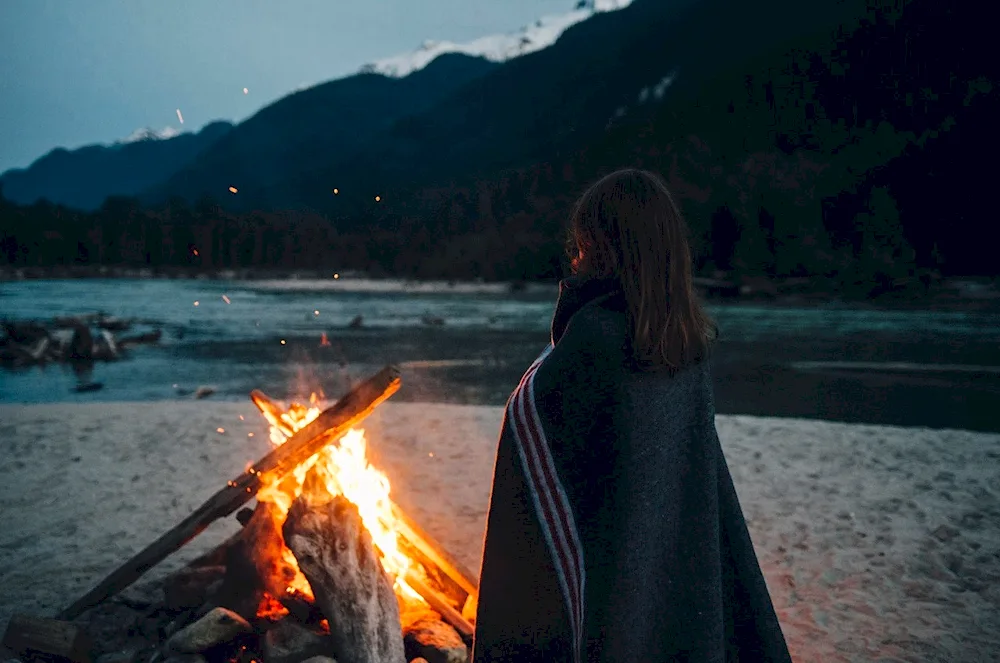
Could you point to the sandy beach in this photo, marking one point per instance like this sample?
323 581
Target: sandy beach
878 543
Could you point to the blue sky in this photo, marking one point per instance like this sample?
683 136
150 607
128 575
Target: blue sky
75 72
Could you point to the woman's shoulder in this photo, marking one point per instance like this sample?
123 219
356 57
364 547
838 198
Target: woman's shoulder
598 332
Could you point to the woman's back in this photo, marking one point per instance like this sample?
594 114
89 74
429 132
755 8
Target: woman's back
614 531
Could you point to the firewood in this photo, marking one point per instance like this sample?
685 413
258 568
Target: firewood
27 634
459 589
428 549
266 545
327 427
434 552
337 557
242 587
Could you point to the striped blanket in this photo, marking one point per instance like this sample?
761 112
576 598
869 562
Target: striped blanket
614 530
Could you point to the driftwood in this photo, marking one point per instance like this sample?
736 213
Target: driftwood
266 546
456 581
27 634
78 339
434 552
335 553
438 602
329 425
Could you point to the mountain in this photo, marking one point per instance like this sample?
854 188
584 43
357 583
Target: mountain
840 140
84 177
799 138
535 108
497 48
310 128
146 134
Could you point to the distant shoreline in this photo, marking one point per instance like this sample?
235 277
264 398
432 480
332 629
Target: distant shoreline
950 294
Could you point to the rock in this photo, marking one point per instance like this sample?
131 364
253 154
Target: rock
191 587
217 626
945 533
290 642
204 391
435 641
113 324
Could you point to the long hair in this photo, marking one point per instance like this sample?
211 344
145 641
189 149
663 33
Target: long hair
627 226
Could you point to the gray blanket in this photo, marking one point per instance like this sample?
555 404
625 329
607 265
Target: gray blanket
614 530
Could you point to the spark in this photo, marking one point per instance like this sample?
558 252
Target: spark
220 430
249 434
336 191
226 299
336 276
378 198
431 455
241 417
316 312
233 189
246 91
196 303
282 341
194 251
180 118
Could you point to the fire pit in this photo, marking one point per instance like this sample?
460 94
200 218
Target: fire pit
325 565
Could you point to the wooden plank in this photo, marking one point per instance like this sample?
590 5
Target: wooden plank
326 428
26 634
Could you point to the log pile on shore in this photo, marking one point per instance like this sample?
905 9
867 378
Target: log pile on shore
81 339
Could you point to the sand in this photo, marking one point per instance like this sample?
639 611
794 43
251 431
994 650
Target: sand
878 543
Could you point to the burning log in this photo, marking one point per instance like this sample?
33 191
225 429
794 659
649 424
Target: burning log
301 446
335 552
455 581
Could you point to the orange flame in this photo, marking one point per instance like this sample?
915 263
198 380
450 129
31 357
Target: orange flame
344 470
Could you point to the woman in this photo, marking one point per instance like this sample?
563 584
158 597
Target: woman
614 531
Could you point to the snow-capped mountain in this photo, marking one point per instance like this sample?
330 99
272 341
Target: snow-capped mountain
147 133
497 48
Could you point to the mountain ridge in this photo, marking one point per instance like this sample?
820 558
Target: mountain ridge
540 34
84 177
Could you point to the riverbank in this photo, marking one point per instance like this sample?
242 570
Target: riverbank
948 294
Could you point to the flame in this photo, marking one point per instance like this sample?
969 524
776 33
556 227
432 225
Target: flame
343 469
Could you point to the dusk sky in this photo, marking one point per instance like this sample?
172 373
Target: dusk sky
92 71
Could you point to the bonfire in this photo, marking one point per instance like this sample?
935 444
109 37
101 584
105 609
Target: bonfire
324 565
